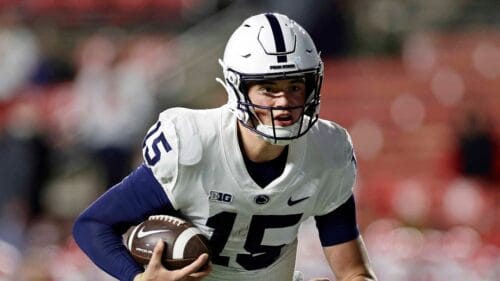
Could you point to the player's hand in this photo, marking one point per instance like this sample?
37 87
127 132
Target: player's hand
155 271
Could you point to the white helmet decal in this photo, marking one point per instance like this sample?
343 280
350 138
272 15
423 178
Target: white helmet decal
266 47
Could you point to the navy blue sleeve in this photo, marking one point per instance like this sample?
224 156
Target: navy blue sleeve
338 226
98 229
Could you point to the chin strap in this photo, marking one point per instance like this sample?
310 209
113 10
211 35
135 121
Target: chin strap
278 135
275 141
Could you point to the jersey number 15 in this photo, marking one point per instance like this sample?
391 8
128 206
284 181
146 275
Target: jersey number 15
260 256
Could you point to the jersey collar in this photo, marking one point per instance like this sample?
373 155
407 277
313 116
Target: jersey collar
234 158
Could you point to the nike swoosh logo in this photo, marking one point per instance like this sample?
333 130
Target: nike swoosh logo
292 202
143 233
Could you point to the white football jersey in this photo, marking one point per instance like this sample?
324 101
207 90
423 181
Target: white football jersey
195 156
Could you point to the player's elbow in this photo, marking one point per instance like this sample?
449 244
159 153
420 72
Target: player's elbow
78 230
85 228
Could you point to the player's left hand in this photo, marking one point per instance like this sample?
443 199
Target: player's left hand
156 272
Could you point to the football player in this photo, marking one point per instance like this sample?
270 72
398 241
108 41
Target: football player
247 173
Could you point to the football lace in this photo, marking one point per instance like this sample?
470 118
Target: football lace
166 218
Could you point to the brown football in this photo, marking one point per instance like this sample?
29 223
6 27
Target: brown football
183 241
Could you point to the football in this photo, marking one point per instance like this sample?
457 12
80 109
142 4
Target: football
183 241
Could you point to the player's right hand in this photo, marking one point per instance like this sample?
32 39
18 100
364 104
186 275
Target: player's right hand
155 271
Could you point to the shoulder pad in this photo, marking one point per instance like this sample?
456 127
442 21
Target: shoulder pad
160 150
335 143
172 141
190 147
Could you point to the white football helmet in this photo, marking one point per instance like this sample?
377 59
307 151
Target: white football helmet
267 47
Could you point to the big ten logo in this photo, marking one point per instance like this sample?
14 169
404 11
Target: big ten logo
220 197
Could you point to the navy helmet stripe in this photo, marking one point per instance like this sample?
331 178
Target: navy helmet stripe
279 41
282 58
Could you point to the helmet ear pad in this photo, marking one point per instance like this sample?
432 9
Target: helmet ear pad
313 87
245 87
248 105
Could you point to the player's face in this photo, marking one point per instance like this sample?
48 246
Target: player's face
288 96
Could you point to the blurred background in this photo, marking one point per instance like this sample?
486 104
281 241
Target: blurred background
417 84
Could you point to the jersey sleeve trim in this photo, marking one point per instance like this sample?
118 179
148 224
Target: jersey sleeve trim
338 226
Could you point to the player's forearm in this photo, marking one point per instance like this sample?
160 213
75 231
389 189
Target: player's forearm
349 261
98 229
105 248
